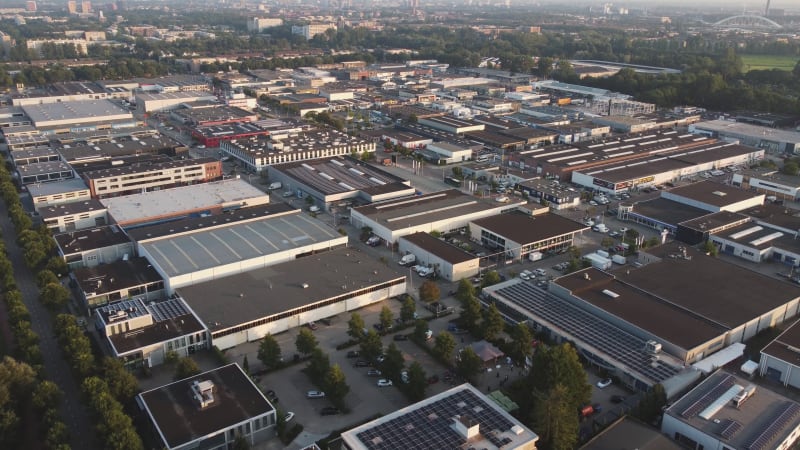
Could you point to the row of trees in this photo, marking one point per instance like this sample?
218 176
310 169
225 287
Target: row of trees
24 392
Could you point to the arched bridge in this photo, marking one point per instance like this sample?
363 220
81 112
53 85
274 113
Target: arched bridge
749 22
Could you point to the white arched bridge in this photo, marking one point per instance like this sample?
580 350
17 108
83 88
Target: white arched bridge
748 22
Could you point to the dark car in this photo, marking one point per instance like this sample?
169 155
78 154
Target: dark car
272 396
400 337
362 363
353 354
329 411
617 398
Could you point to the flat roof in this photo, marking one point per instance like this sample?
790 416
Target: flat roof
745 129
113 276
729 302
408 212
139 207
90 239
189 224
232 243
667 211
174 95
144 167
340 174
712 193
602 338
230 129
77 152
555 189
440 248
711 222
179 419
760 237
250 296
527 229
629 433
57 187
763 421
641 309
78 110
770 175
785 346
43 168
69 209
430 424
777 215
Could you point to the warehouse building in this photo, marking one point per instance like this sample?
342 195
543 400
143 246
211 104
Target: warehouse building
728 412
142 178
698 230
769 182
780 359
449 153
44 172
150 102
452 125
209 410
246 306
190 256
34 155
170 204
519 235
449 261
446 212
74 216
551 193
759 243
141 333
214 135
772 140
333 181
116 281
58 192
54 118
459 417
93 246
108 148
218 115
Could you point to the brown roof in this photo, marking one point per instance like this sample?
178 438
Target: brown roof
525 229
713 193
438 247
785 346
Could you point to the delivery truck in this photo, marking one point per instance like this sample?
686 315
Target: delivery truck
598 262
407 260
275 185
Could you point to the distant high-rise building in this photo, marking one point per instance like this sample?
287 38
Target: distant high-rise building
86 7
258 24
30 6
72 7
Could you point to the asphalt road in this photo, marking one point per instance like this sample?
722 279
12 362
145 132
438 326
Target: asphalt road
73 412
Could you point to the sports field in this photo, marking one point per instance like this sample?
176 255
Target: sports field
766 62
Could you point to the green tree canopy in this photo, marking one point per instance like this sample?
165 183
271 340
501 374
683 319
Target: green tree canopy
470 314
355 326
429 291
554 419
468 364
394 362
560 365
493 322
386 318
305 342
336 386
417 382
408 309
318 365
491 277
371 346
465 290
269 352
444 346
521 340
185 368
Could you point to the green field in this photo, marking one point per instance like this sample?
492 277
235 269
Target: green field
766 62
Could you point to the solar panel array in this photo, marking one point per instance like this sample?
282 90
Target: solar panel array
430 426
729 428
706 399
785 414
166 310
619 345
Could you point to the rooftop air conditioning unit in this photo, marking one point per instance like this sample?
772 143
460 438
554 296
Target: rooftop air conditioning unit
652 347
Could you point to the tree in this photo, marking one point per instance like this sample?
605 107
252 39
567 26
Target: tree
336 387
355 326
468 364
520 346
46 395
121 382
429 291
649 408
444 346
493 322
371 346
554 420
393 364
54 296
386 318
560 365
491 277
470 314
710 248
417 382
246 365
305 342
185 368
465 290
790 168
269 352
318 365
408 309
421 330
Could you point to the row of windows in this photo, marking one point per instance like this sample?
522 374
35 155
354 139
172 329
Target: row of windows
313 306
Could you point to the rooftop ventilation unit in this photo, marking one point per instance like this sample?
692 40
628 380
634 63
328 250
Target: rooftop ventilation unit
610 293
742 396
203 393
652 347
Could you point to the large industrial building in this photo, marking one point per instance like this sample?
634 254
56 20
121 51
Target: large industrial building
769 182
332 182
245 307
460 417
449 261
141 178
93 246
445 212
728 412
780 359
644 326
518 234
209 410
772 140
76 115
189 256
169 204
74 216
116 281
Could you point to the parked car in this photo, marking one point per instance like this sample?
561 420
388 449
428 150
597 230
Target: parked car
617 398
353 354
400 337
525 275
289 416
315 394
383 382
362 363
604 383
329 411
272 396
540 272
373 373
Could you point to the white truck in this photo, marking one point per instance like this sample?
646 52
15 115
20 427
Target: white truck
535 256
275 185
619 259
598 262
407 260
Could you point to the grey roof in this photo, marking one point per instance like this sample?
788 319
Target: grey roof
68 209
250 296
440 248
712 193
42 113
338 175
115 276
57 187
628 433
744 129
199 250
89 239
